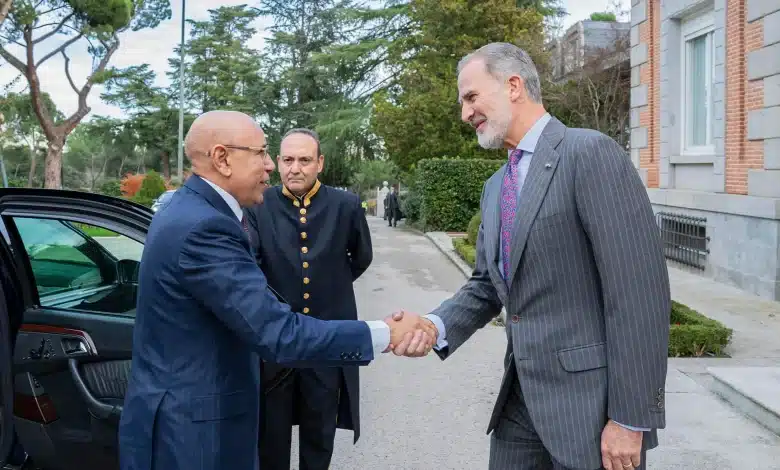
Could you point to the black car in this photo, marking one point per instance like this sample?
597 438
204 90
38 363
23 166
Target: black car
68 286
68 272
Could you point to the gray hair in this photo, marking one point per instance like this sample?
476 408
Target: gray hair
310 133
502 60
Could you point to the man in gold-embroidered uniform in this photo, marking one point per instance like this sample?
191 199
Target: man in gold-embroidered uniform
312 241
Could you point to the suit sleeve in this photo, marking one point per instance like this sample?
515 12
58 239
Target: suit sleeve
216 267
472 307
617 216
360 248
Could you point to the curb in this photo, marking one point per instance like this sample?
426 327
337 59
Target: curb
743 400
453 256
450 253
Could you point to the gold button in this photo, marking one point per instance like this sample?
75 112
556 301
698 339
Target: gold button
305 309
305 280
303 220
305 264
304 250
303 211
303 235
305 295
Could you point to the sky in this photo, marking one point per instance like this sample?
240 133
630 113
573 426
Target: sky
155 46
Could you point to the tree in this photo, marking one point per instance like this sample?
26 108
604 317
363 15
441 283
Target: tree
418 117
220 66
99 22
598 95
153 122
323 63
96 150
5 7
22 125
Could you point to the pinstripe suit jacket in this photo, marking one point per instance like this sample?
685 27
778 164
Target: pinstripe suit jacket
587 295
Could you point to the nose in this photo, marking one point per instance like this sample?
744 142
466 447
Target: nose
466 112
269 165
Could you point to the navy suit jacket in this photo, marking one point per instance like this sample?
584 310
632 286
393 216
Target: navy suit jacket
205 317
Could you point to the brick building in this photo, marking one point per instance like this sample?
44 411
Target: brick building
705 133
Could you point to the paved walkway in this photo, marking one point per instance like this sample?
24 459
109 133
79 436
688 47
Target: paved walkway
420 414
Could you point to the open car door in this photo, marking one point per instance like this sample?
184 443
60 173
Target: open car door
73 261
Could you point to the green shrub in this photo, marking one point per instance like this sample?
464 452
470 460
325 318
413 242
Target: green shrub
466 250
111 188
450 191
693 334
151 188
473 229
410 205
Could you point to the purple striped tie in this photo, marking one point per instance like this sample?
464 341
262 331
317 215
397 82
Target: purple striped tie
509 207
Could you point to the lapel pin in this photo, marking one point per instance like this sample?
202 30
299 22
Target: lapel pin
548 165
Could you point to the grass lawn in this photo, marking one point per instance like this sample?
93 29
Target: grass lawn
93 231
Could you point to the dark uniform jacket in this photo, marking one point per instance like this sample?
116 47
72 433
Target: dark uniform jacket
311 249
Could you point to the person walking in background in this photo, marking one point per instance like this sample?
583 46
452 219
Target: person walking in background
393 208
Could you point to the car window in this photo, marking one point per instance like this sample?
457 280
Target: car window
80 266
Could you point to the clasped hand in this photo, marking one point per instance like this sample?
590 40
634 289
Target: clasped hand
410 334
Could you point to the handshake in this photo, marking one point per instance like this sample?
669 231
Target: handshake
410 334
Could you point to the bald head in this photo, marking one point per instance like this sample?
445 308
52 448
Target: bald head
228 148
217 128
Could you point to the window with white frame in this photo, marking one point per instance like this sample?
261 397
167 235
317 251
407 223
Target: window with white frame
697 60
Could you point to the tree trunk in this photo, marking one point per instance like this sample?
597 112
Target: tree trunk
165 163
33 160
53 164
5 7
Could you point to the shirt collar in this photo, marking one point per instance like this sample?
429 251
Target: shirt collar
229 199
531 138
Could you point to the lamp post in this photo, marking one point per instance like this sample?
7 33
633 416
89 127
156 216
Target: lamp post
181 98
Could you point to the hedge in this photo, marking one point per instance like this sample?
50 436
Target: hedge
450 191
466 250
691 334
473 229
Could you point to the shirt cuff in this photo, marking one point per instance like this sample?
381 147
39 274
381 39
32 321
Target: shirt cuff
632 428
441 340
380 336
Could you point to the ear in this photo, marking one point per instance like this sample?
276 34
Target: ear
221 160
320 163
516 89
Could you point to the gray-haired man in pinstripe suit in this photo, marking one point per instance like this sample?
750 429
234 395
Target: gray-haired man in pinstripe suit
569 246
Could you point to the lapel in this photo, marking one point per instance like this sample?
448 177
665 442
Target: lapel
540 173
491 225
204 190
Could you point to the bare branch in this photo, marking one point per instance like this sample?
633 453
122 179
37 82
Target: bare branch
83 108
55 30
12 41
16 63
56 51
67 72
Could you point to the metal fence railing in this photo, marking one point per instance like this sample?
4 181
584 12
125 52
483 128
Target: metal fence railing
684 238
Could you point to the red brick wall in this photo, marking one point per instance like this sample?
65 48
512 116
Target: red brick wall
742 96
650 74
